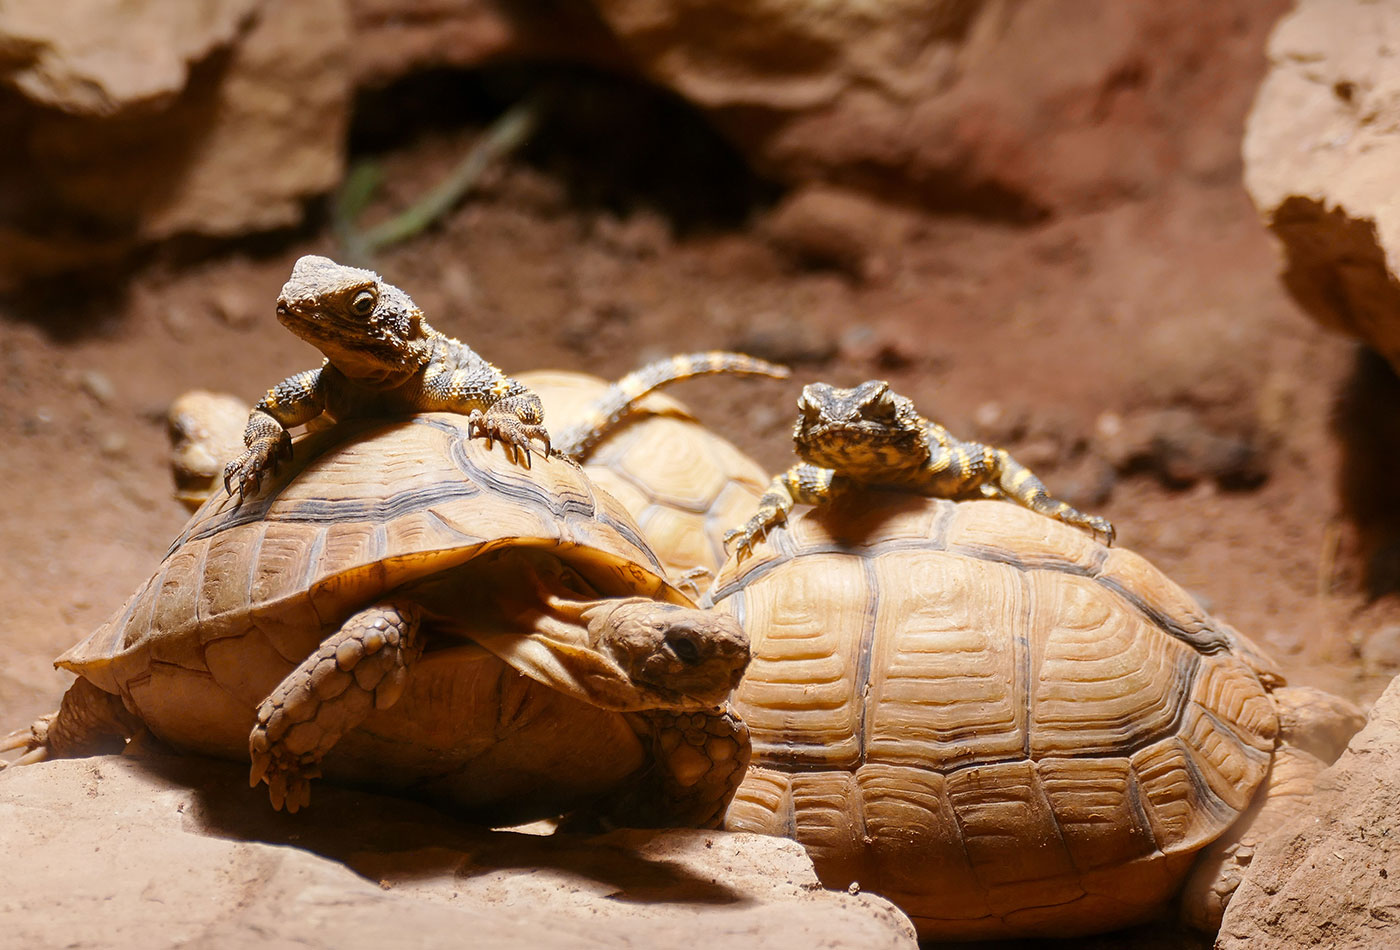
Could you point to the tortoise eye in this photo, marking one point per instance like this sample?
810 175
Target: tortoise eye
363 304
685 649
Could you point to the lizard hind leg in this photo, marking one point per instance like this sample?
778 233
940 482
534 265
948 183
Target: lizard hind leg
362 666
89 721
1019 484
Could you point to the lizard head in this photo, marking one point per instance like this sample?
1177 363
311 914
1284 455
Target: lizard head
855 431
367 328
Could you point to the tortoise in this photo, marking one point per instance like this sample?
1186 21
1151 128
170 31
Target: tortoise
404 607
1003 725
683 483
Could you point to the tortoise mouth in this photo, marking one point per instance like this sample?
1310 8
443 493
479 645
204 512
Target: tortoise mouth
706 691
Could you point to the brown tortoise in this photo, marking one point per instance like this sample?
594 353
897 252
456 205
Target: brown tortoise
1001 724
403 606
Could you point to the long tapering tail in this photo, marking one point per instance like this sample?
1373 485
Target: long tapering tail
622 396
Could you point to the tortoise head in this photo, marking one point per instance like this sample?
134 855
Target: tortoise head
675 657
868 428
368 329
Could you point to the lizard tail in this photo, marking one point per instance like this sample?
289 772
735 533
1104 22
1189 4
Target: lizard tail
622 396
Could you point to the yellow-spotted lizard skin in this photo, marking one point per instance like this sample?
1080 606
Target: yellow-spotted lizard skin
621 397
382 357
870 435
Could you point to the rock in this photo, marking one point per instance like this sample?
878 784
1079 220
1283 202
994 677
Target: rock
104 59
1181 449
258 128
400 37
122 852
1332 880
832 227
1381 649
1010 110
783 338
1320 149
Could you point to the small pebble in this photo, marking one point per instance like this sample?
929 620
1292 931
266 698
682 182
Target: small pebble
98 386
112 444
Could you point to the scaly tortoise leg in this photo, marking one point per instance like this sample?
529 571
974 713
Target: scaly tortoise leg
699 760
362 666
89 721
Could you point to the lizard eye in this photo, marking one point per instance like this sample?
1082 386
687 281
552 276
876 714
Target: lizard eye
881 403
363 304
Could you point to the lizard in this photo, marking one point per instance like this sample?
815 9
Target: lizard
872 436
381 357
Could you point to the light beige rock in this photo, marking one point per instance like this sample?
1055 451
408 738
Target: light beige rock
1333 879
1322 162
126 853
258 129
240 150
105 58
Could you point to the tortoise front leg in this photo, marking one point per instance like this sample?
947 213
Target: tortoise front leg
700 759
89 721
362 666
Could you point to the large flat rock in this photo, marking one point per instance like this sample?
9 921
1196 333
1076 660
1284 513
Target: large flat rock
117 852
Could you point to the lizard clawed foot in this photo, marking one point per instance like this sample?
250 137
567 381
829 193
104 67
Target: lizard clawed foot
742 540
1101 526
243 476
510 431
32 739
689 581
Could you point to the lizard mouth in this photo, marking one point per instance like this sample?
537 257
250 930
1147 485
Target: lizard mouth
304 321
834 444
344 341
